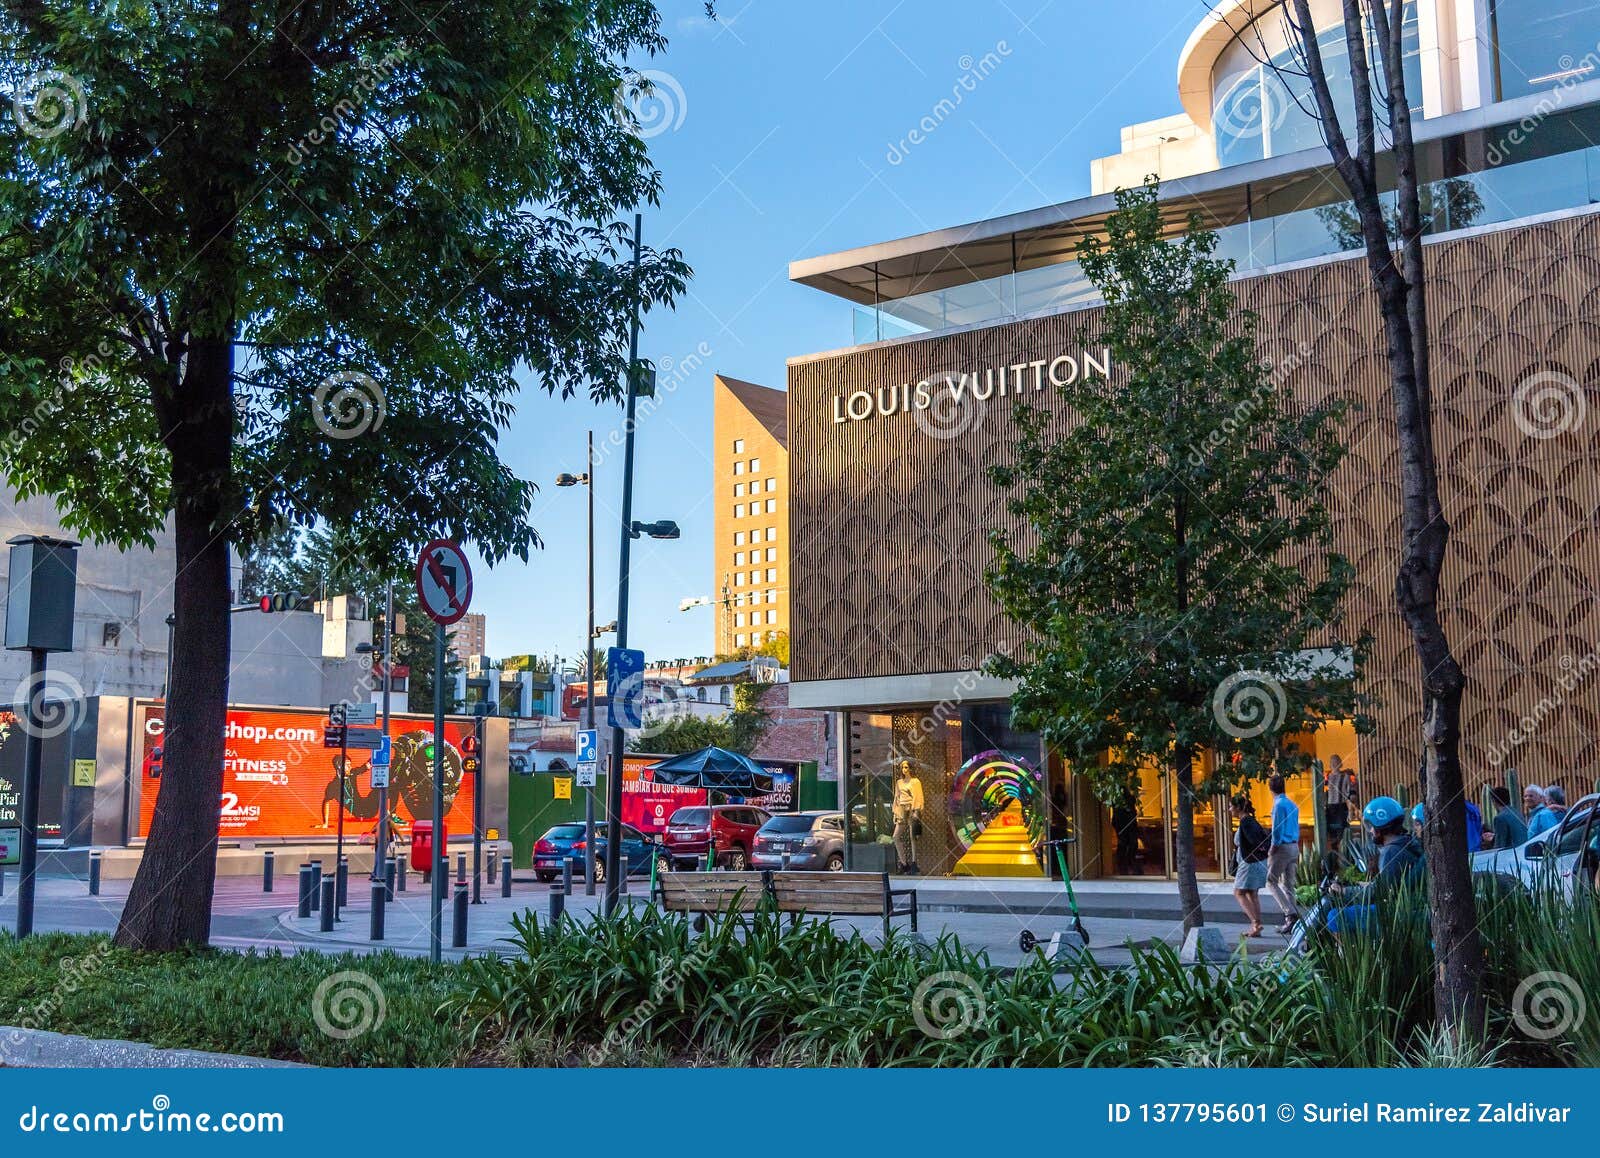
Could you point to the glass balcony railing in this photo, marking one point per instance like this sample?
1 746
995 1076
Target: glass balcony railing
1289 225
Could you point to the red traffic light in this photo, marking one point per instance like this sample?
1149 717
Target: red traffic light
469 745
266 603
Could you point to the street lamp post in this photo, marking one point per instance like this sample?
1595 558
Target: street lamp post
587 480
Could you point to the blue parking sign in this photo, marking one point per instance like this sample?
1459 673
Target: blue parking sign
625 687
588 745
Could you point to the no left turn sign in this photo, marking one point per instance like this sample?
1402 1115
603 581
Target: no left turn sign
444 581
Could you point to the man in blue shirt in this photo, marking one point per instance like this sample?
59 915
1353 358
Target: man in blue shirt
1283 860
1552 814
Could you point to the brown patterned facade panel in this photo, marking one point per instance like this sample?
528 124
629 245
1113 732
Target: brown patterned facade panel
890 515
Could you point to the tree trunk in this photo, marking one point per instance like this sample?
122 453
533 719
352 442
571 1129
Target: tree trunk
169 905
1425 534
1183 841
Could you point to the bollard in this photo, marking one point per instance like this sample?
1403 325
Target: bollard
491 866
784 863
94 874
325 912
461 868
505 877
400 871
316 885
458 930
344 881
303 910
622 873
267 859
388 879
379 891
558 905
2 880
566 876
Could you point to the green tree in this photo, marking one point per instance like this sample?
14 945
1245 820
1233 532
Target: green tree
267 261
1174 558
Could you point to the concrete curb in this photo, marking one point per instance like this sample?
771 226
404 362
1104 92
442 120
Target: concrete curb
41 1049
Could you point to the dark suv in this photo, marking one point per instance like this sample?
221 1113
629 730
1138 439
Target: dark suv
691 830
810 840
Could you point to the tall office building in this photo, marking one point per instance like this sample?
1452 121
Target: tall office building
469 636
750 580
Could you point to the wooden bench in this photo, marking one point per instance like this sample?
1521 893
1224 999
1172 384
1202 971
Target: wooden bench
717 892
795 893
843 895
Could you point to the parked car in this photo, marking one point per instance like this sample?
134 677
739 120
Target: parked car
691 830
638 850
1565 856
811 840
554 847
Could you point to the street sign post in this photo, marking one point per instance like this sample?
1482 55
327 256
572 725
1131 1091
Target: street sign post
624 687
378 770
588 756
444 586
360 739
361 713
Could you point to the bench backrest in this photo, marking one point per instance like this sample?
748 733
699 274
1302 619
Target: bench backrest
717 892
825 892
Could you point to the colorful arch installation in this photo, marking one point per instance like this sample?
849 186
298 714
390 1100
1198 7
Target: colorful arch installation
998 813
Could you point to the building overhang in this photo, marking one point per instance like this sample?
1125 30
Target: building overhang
963 254
900 691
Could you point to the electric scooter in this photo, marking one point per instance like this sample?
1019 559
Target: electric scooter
1027 940
1316 917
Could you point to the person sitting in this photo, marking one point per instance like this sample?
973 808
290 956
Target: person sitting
1400 863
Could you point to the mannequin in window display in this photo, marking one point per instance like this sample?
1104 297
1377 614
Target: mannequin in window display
907 815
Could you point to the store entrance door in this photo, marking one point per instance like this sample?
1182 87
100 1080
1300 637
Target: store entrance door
1141 829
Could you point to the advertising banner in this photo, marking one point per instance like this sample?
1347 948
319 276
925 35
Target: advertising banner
647 805
279 781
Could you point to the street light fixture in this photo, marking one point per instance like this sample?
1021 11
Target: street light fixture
604 629
665 529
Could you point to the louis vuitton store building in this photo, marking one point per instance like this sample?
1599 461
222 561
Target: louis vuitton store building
890 437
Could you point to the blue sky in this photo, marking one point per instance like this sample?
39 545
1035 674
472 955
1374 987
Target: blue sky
789 140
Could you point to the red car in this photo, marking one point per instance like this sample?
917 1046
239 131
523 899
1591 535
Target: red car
690 830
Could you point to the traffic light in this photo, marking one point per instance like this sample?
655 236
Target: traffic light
469 745
153 765
282 602
469 765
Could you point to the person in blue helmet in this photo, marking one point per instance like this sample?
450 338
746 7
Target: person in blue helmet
1400 862
1474 825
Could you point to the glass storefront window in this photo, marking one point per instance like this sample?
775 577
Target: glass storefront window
1543 44
985 810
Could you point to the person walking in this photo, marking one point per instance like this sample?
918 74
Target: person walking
1252 846
1283 861
1339 794
1507 829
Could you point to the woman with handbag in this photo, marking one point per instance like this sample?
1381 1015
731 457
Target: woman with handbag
1251 847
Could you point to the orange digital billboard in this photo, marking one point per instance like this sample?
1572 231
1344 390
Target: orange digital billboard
279 781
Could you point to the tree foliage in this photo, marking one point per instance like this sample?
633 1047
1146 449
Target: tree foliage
270 262
1175 559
